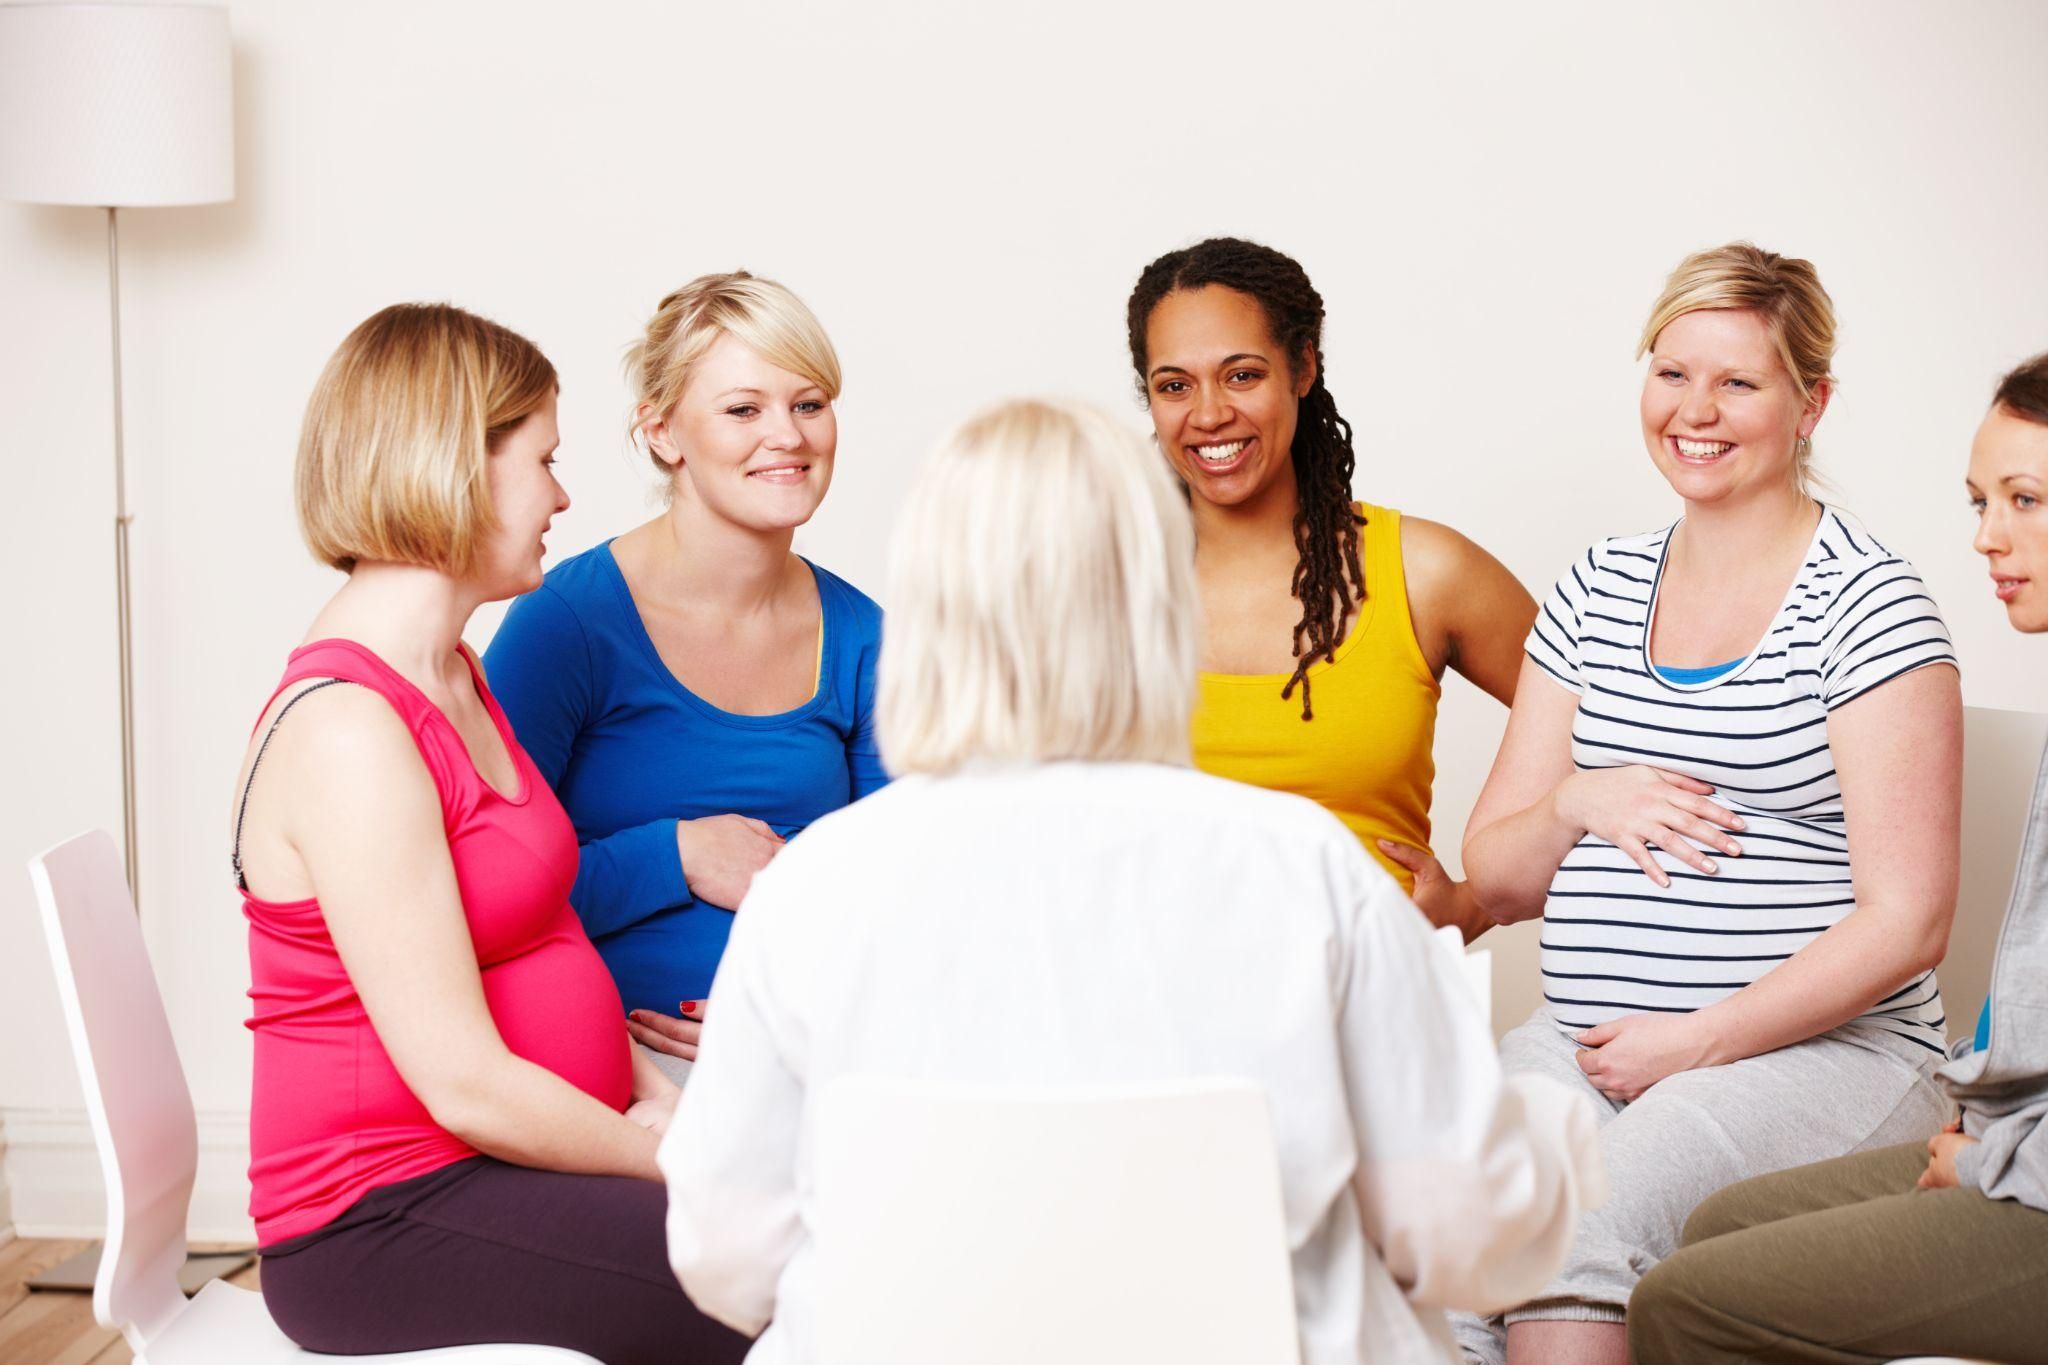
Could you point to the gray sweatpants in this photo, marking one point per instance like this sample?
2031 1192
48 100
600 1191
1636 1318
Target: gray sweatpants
1855 1087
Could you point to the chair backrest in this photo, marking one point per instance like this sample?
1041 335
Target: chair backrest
1475 965
1014 1228
135 1093
2000 752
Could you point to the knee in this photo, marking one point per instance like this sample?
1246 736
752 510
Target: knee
1719 1213
1658 1312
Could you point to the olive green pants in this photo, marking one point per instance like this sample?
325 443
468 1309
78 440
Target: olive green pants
1845 1261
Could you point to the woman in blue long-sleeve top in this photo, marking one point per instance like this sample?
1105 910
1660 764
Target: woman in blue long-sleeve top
695 692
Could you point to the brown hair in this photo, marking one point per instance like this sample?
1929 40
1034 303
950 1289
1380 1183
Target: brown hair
391 462
2024 391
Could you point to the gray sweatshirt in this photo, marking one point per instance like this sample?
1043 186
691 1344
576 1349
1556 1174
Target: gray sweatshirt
2003 1090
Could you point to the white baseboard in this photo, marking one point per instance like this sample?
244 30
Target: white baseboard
52 1176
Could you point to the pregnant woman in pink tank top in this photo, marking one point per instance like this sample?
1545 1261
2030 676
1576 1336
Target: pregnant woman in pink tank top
452 1140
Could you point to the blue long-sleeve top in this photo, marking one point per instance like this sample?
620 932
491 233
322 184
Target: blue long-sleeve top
630 751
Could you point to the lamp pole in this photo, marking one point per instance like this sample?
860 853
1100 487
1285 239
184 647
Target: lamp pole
122 518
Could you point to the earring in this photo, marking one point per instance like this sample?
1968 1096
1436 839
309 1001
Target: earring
1803 448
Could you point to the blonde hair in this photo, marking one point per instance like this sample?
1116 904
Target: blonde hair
1042 598
1784 290
763 314
392 455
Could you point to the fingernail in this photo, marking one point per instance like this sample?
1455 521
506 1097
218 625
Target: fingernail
689 1005
1734 849
1709 866
1740 823
637 1016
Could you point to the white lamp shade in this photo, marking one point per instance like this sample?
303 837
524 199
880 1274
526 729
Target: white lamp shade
116 105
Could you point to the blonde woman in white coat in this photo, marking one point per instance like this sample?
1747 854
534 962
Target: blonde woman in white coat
1051 895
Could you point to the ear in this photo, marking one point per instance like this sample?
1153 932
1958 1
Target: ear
1304 371
660 439
1816 404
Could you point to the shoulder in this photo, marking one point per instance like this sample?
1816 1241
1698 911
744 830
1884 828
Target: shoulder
1852 577
571 605
340 741
581 579
1630 559
1432 548
847 604
1847 557
1442 562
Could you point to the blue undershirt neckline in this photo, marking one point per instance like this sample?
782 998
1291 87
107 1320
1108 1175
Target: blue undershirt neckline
1688 677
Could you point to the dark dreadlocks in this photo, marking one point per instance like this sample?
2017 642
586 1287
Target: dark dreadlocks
1328 580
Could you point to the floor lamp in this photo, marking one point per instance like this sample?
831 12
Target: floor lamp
114 106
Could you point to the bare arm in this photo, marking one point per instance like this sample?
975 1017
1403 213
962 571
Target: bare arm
355 802
1515 838
1470 613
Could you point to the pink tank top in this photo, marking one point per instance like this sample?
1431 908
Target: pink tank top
329 1118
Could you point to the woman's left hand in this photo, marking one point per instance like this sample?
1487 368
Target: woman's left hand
1626 1056
1941 1161
676 1036
1444 902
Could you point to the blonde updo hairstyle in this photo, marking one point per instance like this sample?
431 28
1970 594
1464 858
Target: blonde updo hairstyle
393 453
765 315
1784 290
1042 599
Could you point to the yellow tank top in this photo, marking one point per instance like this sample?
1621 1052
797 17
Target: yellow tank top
1367 756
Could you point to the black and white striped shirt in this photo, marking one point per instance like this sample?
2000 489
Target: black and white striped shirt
1856 617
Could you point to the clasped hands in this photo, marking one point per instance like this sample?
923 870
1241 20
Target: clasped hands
1941 1158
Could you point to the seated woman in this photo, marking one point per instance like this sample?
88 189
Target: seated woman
1054 845
1355 606
692 691
442 1146
1731 786
1938 1248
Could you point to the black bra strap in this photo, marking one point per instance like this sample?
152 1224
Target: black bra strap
242 811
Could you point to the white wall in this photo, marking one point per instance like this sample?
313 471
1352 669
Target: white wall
1488 200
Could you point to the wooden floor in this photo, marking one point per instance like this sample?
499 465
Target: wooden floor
52 1327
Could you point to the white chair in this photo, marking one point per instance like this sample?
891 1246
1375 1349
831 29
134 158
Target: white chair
1477 966
1083 1227
143 1125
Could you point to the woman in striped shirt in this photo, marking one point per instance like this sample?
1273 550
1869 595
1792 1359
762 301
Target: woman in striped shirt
1711 715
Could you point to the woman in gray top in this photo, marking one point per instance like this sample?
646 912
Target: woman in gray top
1906 1251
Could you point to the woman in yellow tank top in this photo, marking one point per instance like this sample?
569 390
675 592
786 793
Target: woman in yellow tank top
1328 622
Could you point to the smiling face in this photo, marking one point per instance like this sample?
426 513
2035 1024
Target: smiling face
525 496
2008 481
749 441
1722 415
1224 398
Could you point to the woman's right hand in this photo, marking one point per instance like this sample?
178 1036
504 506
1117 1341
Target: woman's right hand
721 854
1637 806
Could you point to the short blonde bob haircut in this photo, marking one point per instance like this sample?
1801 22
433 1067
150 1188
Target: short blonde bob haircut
1042 599
763 314
392 456
1784 290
